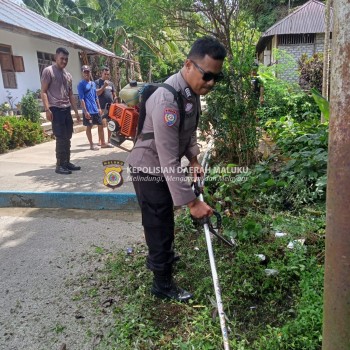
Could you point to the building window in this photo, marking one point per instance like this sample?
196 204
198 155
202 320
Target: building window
45 60
7 67
295 39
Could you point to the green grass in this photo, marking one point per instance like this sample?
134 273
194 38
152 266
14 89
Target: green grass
58 329
267 313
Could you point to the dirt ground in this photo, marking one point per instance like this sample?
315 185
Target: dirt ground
44 253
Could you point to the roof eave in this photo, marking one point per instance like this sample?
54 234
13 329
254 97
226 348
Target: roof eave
260 46
19 30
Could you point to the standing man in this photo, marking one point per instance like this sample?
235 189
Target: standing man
57 97
160 147
106 95
91 107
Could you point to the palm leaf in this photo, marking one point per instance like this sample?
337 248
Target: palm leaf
322 103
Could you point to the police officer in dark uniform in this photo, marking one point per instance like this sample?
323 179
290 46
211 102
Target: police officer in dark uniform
155 160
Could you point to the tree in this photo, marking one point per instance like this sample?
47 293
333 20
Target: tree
326 51
64 12
230 117
336 315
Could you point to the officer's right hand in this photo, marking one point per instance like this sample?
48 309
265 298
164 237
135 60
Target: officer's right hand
199 209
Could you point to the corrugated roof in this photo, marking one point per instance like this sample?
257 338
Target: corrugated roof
20 19
308 18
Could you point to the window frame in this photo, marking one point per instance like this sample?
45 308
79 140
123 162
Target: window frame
46 60
8 72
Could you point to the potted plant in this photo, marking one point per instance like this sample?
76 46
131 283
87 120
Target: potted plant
5 108
11 101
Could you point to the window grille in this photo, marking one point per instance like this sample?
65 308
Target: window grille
295 39
45 60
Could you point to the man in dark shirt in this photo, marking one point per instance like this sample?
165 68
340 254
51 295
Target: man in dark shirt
106 95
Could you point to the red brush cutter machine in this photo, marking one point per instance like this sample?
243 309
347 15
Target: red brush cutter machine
123 117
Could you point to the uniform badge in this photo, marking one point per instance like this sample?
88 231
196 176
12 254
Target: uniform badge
187 92
113 173
189 107
170 117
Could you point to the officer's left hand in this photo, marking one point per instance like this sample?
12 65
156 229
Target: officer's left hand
100 112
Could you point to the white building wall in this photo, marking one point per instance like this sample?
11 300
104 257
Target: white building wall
27 47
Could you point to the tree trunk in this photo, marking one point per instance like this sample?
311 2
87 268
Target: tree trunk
150 71
138 70
336 316
326 49
116 75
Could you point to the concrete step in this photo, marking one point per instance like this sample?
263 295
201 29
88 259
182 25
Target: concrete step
47 125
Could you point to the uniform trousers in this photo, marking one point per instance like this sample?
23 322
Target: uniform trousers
62 128
157 219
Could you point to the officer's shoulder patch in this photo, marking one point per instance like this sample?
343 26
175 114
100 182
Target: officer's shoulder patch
170 116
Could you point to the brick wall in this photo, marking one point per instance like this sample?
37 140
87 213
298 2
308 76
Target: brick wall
319 42
297 51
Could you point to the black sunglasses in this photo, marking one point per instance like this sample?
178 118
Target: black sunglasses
208 76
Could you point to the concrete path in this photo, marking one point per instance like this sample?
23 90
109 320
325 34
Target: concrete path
30 171
33 168
45 255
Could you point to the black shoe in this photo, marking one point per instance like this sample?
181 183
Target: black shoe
71 166
170 291
62 170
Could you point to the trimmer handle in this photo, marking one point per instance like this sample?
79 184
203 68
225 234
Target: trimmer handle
218 220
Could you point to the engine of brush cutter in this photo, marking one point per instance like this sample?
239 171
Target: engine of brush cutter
123 117
122 122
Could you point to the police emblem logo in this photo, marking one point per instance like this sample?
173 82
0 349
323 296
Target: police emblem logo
113 173
170 117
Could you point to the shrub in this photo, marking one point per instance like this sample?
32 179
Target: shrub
5 134
292 177
30 107
282 98
19 132
311 71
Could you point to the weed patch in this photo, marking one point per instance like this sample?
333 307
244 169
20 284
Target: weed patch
282 311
